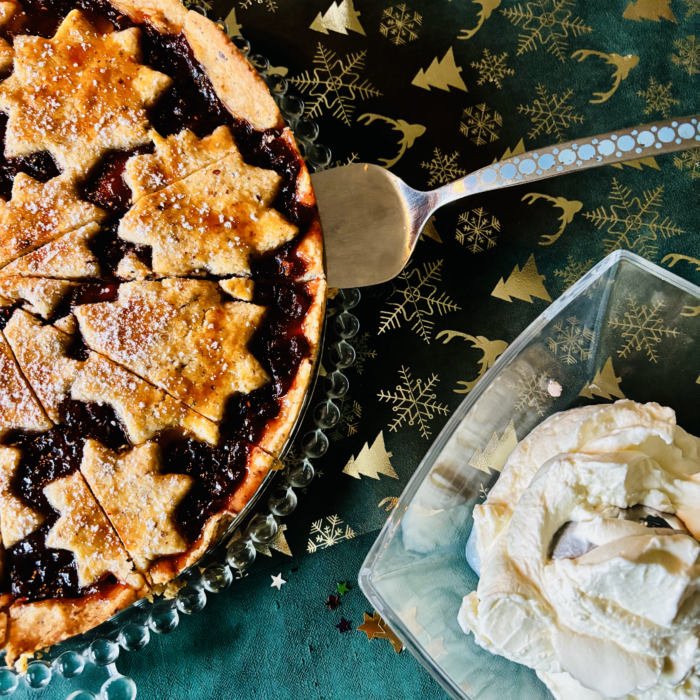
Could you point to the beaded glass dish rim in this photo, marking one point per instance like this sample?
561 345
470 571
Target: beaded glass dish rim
365 578
88 645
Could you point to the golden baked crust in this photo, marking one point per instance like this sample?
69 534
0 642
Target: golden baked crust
239 288
38 213
68 257
79 94
139 501
213 220
40 296
17 519
180 336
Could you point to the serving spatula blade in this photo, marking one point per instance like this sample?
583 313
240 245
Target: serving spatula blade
371 219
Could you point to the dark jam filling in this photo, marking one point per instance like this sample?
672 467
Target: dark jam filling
37 572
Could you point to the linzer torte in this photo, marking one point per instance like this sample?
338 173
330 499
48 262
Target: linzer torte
161 302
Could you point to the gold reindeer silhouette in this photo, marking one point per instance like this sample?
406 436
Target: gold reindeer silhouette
410 133
491 349
675 257
487 8
623 66
568 208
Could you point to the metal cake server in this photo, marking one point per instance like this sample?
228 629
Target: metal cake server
371 219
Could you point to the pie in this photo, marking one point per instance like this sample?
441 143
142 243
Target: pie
162 297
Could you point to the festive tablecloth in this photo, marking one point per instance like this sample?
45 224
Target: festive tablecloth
434 89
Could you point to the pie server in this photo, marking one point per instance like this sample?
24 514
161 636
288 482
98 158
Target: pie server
371 219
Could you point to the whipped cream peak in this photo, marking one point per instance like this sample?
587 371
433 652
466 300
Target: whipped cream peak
590 566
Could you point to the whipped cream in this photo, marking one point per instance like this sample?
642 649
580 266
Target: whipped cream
589 556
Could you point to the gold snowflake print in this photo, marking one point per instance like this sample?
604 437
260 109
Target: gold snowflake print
547 23
477 230
633 223
350 414
571 341
550 114
418 301
335 84
362 352
443 168
325 536
573 271
492 69
642 328
270 5
693 8
189 4
480 124
687 55
400 24
414 402
689 162
531 390
658 98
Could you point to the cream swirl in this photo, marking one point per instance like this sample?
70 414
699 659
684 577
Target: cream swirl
586 575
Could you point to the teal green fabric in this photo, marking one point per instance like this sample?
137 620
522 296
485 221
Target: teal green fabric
253 641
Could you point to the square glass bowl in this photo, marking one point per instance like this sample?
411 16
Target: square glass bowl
628 329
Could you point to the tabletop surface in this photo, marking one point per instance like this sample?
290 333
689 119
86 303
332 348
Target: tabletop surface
435 89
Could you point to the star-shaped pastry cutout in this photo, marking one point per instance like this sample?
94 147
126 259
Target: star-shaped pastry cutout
181 336
79 95
139 501
17 519
277 582
342 587
333 602
344 625
215 220
175 157
83 529
40 212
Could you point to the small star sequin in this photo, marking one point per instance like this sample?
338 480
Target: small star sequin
344 625
343 588
333 602
277 582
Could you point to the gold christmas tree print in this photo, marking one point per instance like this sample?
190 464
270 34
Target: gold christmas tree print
642 328
414 402
429 231
492 69
493 457
571 341
689 162
622 64
654 10
573 271
658 98
547 23
441 74
517 150
399 24
418 300
338 18
443 168
605 384
687 55
335 84
491 349
550 114
350 414
362 352
477 229
637 164
692 8
372 461
480 125
323 536
633 223
487 8
531 390
523 284
234 28
270 5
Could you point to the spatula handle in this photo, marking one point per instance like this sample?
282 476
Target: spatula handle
616 147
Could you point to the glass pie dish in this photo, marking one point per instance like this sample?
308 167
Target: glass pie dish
627 329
